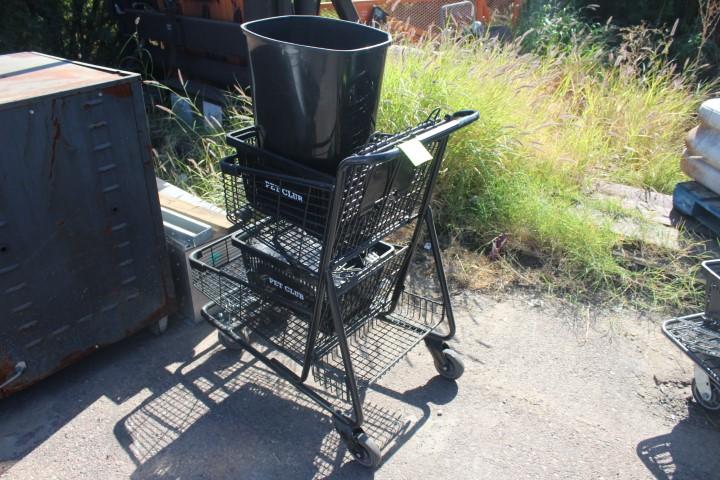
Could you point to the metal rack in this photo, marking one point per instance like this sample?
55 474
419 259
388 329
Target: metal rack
311 272
698 336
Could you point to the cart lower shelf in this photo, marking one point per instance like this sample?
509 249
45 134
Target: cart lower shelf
699 338
379 344
376 345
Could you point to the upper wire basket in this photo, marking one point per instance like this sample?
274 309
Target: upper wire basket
375 192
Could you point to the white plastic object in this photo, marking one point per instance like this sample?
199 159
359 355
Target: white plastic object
703 141
700 171
702 383
709 113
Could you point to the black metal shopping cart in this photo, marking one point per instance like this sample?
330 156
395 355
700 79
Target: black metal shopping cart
698 336
316 270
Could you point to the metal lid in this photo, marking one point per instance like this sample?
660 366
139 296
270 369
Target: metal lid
29 75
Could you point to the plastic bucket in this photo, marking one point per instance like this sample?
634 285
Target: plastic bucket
315 86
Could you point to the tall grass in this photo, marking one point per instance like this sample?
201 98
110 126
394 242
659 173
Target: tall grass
551 126
188 151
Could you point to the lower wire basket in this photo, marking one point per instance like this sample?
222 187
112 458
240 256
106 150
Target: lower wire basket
222 271
699 338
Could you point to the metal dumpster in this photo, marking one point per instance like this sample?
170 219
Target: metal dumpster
83 261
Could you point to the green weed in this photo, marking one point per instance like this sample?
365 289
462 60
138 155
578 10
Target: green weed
550 127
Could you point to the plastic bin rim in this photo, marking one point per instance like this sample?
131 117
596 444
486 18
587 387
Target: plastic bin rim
246 30
708 267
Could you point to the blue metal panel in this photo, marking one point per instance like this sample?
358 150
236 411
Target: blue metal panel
82 251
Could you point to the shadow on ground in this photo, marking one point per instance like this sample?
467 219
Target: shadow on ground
118 372
682 454
207 414
228 419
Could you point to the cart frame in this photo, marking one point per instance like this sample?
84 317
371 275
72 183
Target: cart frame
445 359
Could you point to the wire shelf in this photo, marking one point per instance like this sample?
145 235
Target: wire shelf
379 345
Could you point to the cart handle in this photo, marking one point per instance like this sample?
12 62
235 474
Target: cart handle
451 123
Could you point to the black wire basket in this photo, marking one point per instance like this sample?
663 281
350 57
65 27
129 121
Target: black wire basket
376 191
379 344
229 270
272 274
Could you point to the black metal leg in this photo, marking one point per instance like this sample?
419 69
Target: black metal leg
346 10
344 350
440 270
402 275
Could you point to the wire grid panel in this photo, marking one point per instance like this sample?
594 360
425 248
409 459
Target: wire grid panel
504 7
274 186
712 289
363 284
379 345
457 15
416 17
362 221
700 337
300 272
219 273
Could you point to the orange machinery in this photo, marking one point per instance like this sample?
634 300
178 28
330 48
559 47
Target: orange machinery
203 40
231 10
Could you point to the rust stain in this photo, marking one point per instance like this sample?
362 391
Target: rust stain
121 90
75 356
46 76
7 368
56 137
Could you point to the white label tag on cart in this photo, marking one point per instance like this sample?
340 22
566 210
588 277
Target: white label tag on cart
415 151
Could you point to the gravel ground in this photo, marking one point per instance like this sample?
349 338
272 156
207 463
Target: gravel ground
549 391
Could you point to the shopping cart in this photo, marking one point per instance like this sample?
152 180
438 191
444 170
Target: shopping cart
317 267
698 336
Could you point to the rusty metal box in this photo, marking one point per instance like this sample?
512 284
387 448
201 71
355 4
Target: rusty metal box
83 261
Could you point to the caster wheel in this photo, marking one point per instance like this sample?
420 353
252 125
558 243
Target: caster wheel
159 327
713 403
365 451
449 364
230 344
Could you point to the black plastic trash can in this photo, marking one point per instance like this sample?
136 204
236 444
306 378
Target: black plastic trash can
315 86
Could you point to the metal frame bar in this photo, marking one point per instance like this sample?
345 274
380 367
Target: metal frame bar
440 272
